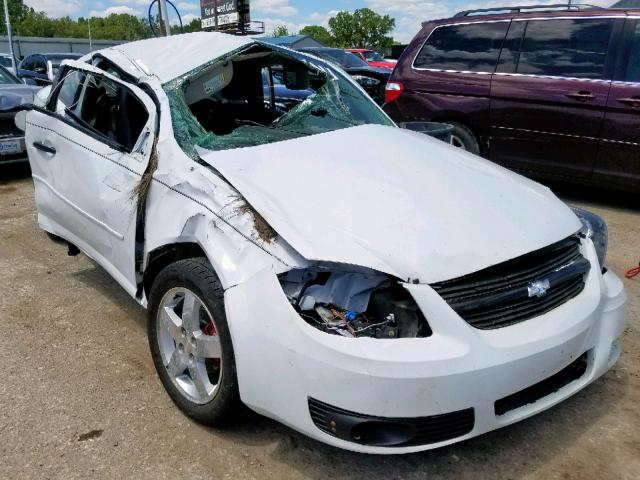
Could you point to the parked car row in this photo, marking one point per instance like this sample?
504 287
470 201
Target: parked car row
372 79
38 68
553 94
13 93
371 287
41 68
16 88
373 58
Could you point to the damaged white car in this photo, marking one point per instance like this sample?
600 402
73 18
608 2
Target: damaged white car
373 288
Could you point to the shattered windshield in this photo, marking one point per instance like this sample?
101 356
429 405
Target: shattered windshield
261 96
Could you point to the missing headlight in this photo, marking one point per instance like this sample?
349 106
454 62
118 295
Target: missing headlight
594 228
354 304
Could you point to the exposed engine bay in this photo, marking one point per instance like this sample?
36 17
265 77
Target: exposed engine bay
354 304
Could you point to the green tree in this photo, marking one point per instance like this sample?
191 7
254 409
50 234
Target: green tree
17 12
35 24
281 31
119 26
319 33
193 26
363 28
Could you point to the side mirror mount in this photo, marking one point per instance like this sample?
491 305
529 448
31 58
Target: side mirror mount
29 81
21 120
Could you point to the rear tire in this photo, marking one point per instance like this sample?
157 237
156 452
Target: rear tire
464 138
190 341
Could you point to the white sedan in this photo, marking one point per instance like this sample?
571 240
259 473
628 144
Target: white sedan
373 288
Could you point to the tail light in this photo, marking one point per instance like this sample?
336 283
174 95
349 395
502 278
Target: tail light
393 91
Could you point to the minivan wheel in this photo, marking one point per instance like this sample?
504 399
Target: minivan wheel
464 138
190 341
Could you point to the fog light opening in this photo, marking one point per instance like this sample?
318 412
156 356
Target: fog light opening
383 434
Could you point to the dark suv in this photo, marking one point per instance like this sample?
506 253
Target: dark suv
551 91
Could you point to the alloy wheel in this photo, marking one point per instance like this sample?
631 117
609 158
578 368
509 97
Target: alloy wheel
189 345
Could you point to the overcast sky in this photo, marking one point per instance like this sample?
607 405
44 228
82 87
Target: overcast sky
295 14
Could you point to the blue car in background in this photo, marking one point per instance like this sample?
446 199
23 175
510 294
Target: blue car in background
41 68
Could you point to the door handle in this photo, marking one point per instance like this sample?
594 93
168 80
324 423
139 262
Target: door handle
633 101
582 96
44 148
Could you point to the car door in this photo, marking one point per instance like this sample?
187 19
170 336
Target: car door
88 151
549 95
618 161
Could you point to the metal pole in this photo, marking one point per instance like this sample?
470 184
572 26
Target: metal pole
10 36
164 17
90 44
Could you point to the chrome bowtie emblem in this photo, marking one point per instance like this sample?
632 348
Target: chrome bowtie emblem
538 288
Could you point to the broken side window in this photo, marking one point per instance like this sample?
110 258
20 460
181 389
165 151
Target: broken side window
263 96
103 106
68 92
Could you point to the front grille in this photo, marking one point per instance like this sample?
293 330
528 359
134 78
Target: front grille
424 430
546 387
502 295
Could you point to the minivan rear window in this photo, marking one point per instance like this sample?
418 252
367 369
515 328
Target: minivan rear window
633 67
469 48
575 48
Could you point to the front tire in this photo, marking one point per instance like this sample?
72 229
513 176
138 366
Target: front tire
190 341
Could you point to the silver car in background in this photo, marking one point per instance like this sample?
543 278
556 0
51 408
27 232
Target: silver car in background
13 93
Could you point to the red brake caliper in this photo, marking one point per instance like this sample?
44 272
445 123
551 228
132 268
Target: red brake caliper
210 330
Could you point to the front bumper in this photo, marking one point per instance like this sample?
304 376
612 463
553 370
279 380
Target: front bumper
282 362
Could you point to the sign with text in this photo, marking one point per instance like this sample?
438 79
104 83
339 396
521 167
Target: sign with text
224 14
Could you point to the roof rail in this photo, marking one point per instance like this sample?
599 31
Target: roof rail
519 9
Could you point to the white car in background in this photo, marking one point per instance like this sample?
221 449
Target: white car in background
373 288
5 61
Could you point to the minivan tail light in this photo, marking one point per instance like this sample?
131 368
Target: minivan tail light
393 91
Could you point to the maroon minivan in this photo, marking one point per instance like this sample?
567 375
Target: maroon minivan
552 93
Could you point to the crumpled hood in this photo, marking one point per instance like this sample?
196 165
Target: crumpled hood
395 201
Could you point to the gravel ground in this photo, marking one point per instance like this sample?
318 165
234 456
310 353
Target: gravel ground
79 396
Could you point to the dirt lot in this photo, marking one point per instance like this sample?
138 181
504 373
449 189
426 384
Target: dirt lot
79 396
